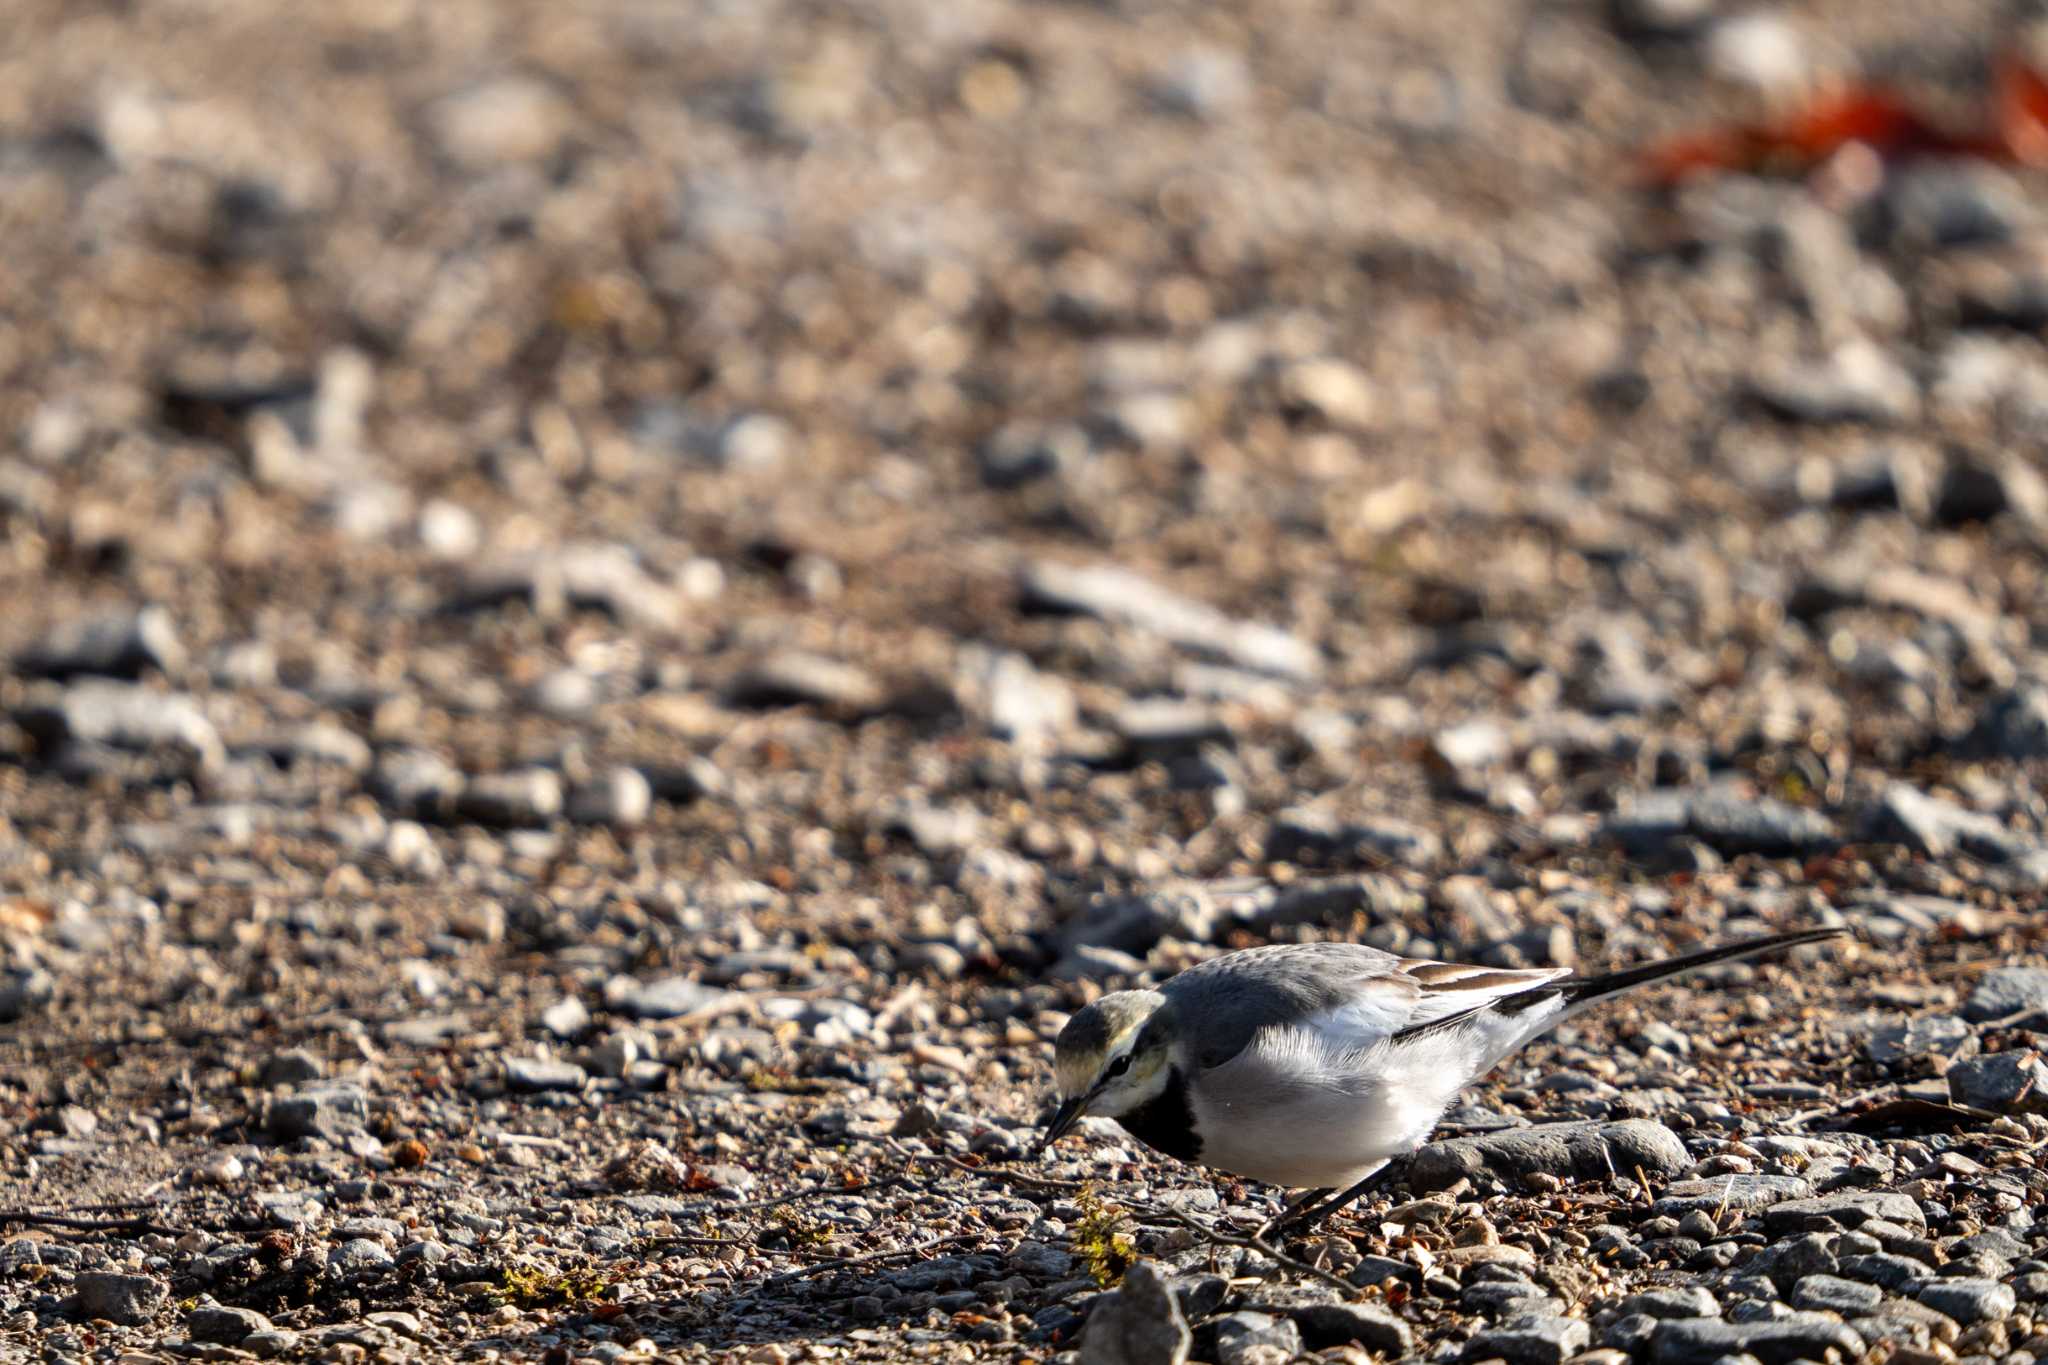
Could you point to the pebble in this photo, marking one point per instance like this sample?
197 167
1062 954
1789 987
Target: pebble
1138 1323
1968 1300
537 1074
358 1256
126 1299
521 799
1688 1301
1727 821
674 997
1845 1209
1256 1339
1775 1341
1940 828
2002 1083
117 645
797 678
1932 1035
1119 595
2005 991
124 716
566 1018
329 1111
1531 1340
1376 1329
228 1326
621 798
291 1067
1829 1293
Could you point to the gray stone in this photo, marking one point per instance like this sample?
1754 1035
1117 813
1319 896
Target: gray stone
120 645
1135 923
1583 1150
1857 382
2003 1083
621 797
535 1074
1789 1260
23 989
1740 1193
673 997
566 1018
126 1299
796 678
227 1326
1324 1325
1829 1293
1306 834
1256 1339
1797 1336
1531 1340
329 1111
2013 726
358 1256
1021 453
1968 1300
1118 595
1940 828
1137 1324
1844 1209
1885 1269
124 716
416 783
291 1067
1940 1035
2004 991
1689 1301
1728 821
524 798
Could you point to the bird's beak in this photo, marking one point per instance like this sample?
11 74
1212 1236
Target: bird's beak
1063 1120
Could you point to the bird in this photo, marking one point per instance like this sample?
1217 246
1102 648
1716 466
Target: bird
1314 1066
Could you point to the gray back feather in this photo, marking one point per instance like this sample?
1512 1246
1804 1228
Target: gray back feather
1220 1004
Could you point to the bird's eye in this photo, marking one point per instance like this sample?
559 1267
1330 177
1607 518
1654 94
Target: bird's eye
1120 1065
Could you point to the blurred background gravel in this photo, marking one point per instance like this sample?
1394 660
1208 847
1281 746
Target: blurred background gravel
582 576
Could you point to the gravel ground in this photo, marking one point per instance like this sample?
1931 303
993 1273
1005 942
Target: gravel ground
607 613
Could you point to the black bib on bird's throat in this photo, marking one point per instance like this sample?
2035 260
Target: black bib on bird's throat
1167 1124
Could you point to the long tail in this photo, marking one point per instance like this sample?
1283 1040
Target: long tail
1584 990
1569 996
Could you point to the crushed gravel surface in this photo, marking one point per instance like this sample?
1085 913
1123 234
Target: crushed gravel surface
610 612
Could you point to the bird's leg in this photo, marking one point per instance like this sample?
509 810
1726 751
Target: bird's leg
1289 1210
1299 1220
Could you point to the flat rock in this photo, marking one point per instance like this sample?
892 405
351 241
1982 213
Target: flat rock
535 1074
1256 1339
1844 1209
673 997
2005 991
1938 828
2002 1083
1935 1035
524 798
1729 821
115 645
1306 834
1531 1340
1118 595
124 716
1582 1151
1968 1300
226 1326
1779 1341
1379 1331
1741 1193
797 678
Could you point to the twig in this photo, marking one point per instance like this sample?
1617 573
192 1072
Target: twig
1253 1242
868 1258
681 1239
28 1218
1036 1182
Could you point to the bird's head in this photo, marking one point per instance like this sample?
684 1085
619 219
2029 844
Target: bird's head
1113 1056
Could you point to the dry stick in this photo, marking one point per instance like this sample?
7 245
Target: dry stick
869 1258
58 1220
1264 1248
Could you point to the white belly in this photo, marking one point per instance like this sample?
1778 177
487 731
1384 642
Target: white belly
1292 1111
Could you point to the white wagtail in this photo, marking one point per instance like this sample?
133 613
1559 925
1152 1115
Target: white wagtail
1312 1065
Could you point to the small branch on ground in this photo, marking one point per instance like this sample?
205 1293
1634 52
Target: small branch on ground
1251 1242
28 1218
